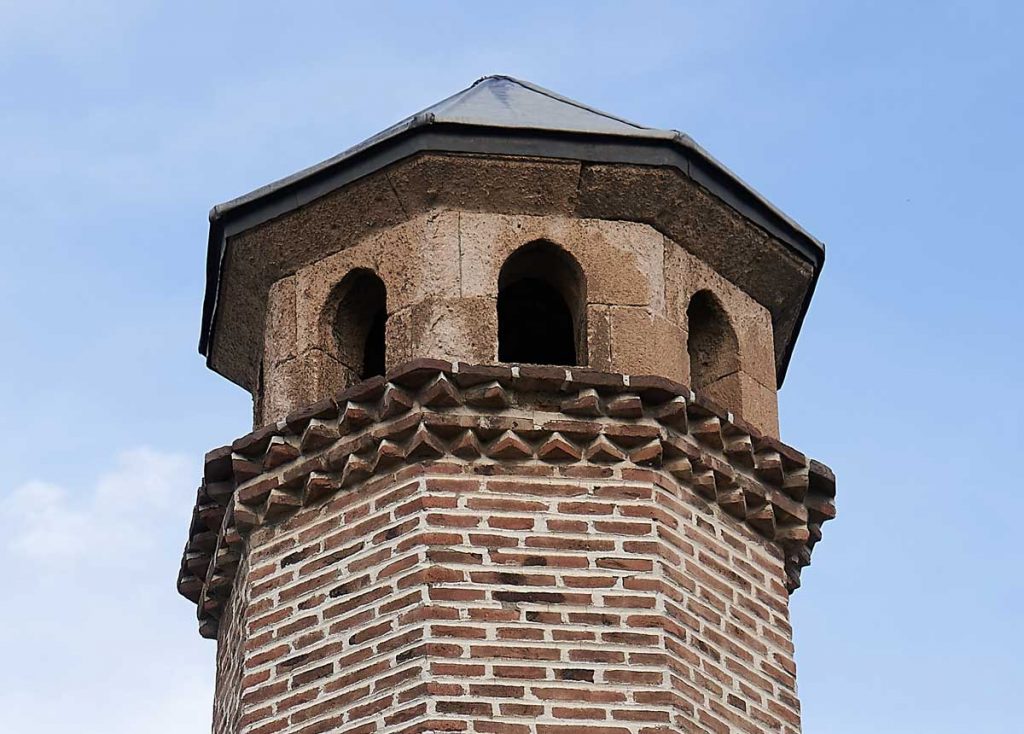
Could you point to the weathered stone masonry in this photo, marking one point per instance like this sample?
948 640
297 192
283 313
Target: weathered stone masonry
505 550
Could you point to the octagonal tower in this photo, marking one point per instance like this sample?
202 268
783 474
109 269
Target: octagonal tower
514 365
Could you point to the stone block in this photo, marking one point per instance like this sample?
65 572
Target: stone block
419 260
297 382
599 338
280 340
483 183
464 329
748 399
643 343
760 405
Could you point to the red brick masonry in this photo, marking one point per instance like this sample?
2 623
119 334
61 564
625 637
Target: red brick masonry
501 550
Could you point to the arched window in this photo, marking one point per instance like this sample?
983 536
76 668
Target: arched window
711 342
359 323
541 307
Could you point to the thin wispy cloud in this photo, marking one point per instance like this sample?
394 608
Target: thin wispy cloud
125 510
89 587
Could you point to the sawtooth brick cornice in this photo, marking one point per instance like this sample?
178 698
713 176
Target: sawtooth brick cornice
485 418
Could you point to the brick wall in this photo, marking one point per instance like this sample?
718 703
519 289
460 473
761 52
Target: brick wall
231 645
373 574
519 605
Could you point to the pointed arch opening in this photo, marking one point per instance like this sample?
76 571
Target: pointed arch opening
542 307
359 324
711 343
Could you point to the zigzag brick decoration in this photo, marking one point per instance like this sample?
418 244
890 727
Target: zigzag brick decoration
556 528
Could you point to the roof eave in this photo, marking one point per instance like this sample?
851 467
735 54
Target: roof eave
398 142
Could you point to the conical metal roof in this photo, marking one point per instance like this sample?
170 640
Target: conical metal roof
501 101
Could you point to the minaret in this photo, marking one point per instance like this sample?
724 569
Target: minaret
517 466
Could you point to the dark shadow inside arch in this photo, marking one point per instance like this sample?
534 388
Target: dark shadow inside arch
360 323
541 307
711 341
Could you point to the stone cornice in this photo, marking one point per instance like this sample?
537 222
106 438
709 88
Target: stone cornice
482 416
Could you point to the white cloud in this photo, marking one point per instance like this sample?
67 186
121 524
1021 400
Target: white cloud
45 522
103 642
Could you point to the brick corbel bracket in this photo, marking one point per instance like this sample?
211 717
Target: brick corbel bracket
432 413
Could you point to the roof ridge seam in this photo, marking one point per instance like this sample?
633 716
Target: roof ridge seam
569 101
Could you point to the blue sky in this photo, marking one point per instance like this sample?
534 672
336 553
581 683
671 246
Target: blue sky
889 130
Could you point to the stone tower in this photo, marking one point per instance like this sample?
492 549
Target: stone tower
514 365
